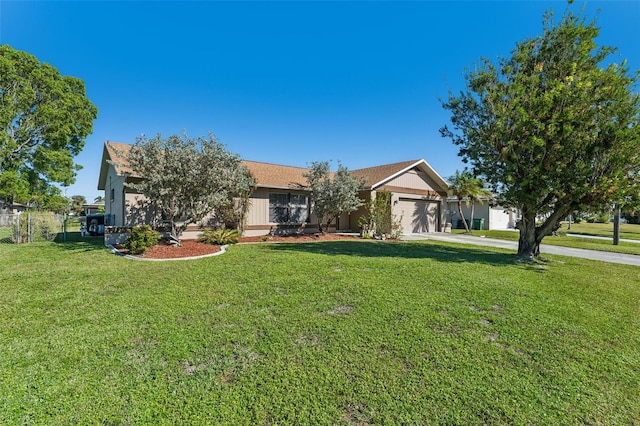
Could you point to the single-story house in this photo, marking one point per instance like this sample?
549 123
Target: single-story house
489 216
419 195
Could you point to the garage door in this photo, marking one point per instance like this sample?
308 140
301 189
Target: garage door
417 215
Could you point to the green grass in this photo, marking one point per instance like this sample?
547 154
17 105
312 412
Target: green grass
628 231
596 229
318 333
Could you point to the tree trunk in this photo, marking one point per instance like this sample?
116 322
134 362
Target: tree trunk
473 208
176 231
528 246
531 236
320 227
464 221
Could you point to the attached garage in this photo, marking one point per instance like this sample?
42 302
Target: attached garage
417 215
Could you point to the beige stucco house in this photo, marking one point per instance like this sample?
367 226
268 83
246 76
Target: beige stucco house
280 202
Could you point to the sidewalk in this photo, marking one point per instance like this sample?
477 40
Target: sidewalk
626 240
627 259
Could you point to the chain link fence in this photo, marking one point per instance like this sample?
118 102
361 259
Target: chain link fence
25 227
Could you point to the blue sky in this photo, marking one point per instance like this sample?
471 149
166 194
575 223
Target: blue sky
285 82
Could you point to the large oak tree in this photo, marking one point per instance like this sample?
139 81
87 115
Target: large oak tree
553 128
45 118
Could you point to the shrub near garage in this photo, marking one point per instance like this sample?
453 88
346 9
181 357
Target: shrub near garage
141 238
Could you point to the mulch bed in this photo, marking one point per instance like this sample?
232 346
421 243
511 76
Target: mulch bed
190 248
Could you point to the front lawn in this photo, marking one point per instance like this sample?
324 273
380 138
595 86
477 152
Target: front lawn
343 332
627 230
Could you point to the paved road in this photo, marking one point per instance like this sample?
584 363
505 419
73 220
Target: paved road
627 259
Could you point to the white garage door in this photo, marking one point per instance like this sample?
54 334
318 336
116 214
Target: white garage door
417 215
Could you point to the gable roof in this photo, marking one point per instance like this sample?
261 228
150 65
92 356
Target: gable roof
115 154
269 175
379 175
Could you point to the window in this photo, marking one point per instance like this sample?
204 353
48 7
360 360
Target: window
288 208
113 194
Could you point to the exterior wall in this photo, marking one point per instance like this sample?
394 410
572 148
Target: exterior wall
481 211
114 198
414 200
258 216
413 186
501 218
354 216
496 217
415 179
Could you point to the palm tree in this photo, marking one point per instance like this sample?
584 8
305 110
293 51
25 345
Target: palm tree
468 188
477 192
459 187
98 199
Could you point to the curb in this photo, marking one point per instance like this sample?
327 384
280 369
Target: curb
223 249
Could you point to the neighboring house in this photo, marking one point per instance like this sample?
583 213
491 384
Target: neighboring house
93 208
11 208
280 202
491 216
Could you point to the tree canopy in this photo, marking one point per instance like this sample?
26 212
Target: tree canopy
186 180
77 204
331 197
553 128
45 118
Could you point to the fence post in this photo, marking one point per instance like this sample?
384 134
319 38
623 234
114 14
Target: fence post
16 231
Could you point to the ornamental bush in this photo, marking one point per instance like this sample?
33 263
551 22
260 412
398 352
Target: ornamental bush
141 238
220 236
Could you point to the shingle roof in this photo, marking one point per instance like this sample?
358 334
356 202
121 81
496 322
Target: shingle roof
118 154
275 175
272 175
376 174
265 174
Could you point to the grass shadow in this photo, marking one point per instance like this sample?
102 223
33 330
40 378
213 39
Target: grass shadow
441 252
75 241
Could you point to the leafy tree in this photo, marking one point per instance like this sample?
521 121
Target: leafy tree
49 199
45 118
186 179
77 202
553 127
331 197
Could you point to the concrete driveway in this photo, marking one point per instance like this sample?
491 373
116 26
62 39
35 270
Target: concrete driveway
627 259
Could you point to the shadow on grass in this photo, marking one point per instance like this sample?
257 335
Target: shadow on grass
422 250
74 241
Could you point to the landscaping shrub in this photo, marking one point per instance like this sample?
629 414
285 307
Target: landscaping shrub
379 220
220 236
141 238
